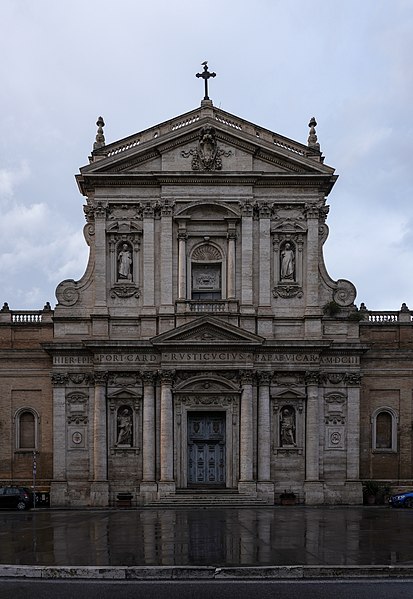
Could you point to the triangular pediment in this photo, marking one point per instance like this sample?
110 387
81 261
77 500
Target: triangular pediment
207 331
174 147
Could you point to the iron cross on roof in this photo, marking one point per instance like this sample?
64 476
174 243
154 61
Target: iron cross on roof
205 76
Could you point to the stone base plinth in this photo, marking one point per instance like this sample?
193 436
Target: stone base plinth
148 491
247 488
58 494
313 493
353 492
265 490
99 494
166 488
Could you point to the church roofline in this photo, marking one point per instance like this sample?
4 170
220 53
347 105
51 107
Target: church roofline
191 120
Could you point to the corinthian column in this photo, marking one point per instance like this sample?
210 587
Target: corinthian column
148 427
100 256
246 254
148 280
246 430
265 256
312 428
167 448
59 382
100 472
231 265
166 254
313 259
353 426
182 236
264 439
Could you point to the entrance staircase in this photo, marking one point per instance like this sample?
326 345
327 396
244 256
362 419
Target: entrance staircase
216 498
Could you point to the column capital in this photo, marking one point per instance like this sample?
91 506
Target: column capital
352 378
182 235
148 211
246 208
247 377
59 378
264 211
167 207
264 377
167 376
99 210
312 378
149 378
100 378
312 211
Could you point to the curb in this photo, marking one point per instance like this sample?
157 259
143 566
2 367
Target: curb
203 572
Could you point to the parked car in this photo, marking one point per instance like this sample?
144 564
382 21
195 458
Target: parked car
19 498
402 500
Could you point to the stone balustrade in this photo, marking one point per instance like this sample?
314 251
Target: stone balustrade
387 316
193 117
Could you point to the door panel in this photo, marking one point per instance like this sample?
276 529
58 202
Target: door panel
206 449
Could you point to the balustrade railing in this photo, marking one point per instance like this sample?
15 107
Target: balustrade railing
193 117
387 316
26 316
208 306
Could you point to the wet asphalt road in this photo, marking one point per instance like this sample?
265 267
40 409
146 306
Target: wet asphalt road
216 537
366 589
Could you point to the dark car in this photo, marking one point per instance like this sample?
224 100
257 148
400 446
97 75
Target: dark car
19 498
402 499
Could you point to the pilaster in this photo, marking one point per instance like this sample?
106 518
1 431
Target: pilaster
166 257
246 258
148 281
246 431
166 432
100 471
265 256
148 427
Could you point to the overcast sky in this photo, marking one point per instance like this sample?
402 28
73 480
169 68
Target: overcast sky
278 63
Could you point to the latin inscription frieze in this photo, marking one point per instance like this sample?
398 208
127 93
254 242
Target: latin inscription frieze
126 358
72 360
288 358
207 356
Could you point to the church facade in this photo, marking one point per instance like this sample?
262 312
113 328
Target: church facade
206 351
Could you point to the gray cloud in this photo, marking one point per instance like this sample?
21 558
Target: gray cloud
278 64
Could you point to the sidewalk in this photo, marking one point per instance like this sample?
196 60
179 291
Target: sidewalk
282 542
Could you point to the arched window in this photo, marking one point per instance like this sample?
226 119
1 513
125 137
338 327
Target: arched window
206 273
26 429
384 430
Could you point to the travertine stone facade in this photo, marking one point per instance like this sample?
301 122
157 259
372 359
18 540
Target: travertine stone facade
206 347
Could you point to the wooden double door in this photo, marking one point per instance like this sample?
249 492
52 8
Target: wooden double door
206 449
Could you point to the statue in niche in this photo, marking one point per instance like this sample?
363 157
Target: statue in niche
287 262
124 427
125 263
287 432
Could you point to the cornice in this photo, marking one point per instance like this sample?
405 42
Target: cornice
88 183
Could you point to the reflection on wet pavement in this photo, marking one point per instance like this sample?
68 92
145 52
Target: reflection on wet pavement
214 537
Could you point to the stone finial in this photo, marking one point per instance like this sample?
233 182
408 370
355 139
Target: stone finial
47 307
404 308
5 307
363 307
100 138
312 138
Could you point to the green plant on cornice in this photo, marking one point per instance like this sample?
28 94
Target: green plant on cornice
331 308
357 316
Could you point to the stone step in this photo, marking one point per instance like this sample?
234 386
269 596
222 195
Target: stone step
207 499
